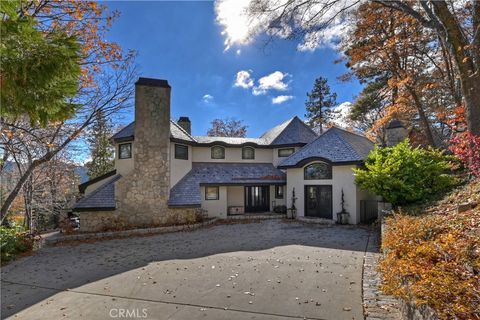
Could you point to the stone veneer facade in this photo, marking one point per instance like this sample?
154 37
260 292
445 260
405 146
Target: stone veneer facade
141 196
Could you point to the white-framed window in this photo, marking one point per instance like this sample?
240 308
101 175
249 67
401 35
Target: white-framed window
212 193
217 152
248 153
125 151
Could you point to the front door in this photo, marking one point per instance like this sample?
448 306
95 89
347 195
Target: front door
257 199
318 201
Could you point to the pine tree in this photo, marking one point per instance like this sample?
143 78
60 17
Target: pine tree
101 150
319 104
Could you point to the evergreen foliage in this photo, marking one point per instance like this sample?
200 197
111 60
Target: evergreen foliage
101 149
402 174
319 104
39 71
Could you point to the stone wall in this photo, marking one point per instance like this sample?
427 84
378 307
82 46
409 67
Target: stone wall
142 195
93 221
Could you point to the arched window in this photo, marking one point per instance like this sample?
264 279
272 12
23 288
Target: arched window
318 171
218 152
248 153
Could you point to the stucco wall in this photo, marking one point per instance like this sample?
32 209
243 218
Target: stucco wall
235 196
203 154
342 177
179 167
215 208
124 166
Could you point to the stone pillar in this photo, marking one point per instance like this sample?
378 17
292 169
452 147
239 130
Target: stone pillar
395 132
142 195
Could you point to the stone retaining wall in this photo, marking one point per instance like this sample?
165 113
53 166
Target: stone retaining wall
124 233
93 221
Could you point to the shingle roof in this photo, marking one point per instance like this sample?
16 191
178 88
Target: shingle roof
176 132
102 198
292 131
187 190
335 145
229 140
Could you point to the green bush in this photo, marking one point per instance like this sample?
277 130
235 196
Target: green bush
402 174
14 240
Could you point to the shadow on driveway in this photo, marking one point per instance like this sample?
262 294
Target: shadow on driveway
269 269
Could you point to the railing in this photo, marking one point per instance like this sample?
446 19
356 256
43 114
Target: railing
368 210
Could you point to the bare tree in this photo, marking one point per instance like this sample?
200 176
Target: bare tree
33 146
457 24
227 128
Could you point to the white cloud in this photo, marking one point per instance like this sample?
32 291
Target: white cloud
243 79
240 28
281 99
208 98
238 52
273 81
341 115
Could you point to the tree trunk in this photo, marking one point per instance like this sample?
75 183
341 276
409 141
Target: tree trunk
468 68
423 116
8 202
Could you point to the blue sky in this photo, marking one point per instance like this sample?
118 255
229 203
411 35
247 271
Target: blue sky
181 42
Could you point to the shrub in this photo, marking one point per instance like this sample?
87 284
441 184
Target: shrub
434 260
466 147
14 240
402 174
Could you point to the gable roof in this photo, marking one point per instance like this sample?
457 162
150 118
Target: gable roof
176 132
102 198
335 145
187 191
292 132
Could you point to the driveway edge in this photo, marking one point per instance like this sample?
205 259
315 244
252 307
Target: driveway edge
376 305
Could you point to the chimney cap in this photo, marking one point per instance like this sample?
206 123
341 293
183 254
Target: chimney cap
395 123
184 119
152 82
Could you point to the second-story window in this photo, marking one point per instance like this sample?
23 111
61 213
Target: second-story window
125 151
181 152
218 152
285 152
248 153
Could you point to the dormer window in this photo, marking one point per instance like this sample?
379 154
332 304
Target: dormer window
218 152
248 153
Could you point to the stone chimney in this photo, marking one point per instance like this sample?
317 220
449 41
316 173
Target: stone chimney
186 124
395 132
144 192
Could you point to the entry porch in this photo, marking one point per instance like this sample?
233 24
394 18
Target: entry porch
243 200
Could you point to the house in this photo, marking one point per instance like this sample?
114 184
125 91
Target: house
164 174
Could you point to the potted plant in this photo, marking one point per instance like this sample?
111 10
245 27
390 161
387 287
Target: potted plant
343 216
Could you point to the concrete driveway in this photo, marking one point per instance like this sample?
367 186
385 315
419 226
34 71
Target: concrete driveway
267 270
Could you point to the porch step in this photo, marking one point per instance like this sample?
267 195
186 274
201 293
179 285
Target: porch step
316 220
257 216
